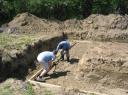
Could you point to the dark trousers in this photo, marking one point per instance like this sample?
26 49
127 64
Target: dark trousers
65 52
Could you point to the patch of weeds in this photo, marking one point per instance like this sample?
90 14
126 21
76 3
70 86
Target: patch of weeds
15 41
6 90
92 94
47 92
28 90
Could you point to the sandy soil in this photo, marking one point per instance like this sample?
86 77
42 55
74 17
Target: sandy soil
66 73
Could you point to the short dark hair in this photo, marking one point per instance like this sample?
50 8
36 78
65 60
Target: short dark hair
55 52
64 36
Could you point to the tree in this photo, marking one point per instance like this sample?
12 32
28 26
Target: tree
122 7
87 7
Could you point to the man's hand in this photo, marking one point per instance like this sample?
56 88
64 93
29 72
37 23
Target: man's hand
54 64
36 62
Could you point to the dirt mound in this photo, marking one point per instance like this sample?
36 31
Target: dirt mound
107 66
28 23
111 21
106 27
98 27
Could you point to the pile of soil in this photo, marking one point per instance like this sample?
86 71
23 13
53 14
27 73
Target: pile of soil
95 27
28 23
108 27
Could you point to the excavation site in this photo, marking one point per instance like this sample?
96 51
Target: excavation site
98 59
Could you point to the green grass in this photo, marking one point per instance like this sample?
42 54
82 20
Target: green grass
9 90
6 90
29 90
47 92
10 41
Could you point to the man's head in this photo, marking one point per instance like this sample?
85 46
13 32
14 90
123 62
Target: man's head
64 36
55 52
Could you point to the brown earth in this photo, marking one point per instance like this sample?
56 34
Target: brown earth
95 66
96 27
102 68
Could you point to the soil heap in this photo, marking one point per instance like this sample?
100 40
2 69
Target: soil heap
95 27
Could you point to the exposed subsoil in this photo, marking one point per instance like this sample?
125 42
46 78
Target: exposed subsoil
70 75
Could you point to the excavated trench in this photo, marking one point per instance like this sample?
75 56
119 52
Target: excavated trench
18 63
21 65
94 66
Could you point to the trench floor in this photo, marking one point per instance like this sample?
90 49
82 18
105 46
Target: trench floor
65 74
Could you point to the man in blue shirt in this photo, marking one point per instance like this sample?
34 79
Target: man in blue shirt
46 58
64 46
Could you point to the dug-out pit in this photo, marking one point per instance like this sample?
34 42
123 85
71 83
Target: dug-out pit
16 63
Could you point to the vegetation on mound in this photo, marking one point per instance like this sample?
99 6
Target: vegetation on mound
21 88
9 90
13 41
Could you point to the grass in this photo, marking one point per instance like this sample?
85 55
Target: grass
29 90
9 41
47 92
6 90
9 90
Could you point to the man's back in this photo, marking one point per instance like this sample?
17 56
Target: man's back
46 56
63 44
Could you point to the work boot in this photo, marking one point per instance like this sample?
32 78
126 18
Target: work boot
46 75
62 57
40 79
68 59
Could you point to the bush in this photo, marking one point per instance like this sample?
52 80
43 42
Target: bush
62 9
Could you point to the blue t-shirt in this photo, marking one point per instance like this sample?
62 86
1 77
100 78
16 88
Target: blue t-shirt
46 56
63 45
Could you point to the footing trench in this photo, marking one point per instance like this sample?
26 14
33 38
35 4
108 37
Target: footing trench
57 88
95 68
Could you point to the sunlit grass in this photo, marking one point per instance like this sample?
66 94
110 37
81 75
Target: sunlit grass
9 90
9 41
6 90
29 90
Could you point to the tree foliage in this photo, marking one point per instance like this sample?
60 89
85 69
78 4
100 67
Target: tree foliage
61 9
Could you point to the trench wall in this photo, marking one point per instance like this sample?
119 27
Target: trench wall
18 63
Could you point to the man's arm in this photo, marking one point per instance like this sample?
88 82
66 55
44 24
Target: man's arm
49 66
